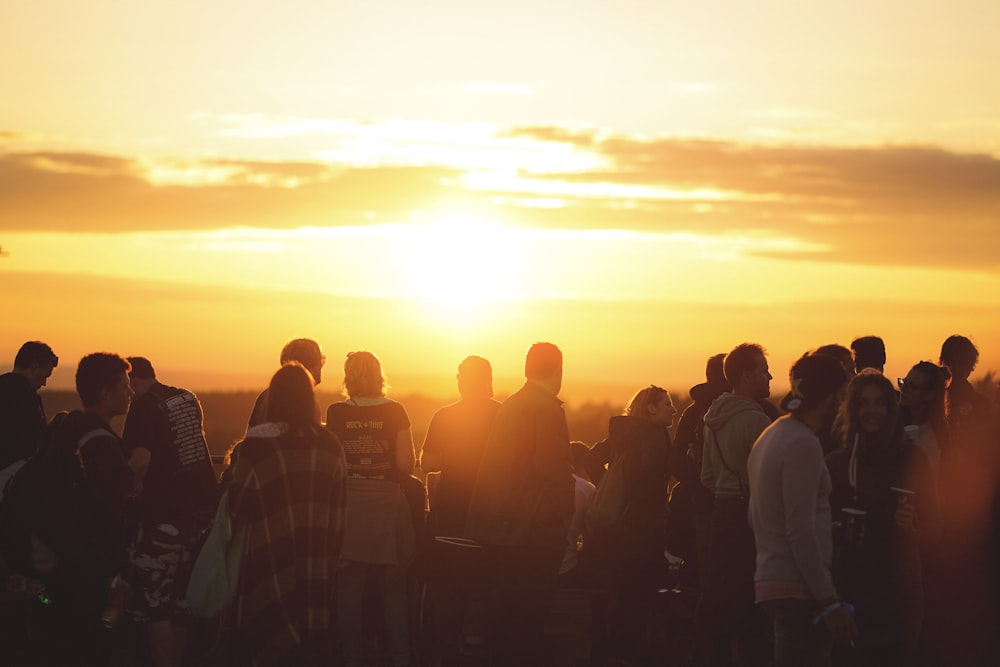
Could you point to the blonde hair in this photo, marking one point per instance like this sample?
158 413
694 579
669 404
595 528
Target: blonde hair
363 375
638 404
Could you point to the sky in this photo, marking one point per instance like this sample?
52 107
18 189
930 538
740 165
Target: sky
643 183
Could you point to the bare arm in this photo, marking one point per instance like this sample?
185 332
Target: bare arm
138 463
430 461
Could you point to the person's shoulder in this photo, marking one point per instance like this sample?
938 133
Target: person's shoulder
266 431
338 406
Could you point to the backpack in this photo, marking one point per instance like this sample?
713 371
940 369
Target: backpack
611 500
49 503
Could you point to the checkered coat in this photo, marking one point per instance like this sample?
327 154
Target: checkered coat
289 490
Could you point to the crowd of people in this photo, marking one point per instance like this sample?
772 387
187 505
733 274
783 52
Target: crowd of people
855 523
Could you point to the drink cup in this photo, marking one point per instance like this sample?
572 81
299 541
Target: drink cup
904 495
853 520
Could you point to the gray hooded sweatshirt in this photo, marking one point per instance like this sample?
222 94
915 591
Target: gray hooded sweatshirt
732 425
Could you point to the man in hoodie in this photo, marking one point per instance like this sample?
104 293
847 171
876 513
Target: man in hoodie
732 424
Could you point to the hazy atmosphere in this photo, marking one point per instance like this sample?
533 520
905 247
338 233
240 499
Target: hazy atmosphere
644 184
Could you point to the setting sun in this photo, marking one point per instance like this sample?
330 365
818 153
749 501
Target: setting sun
461 264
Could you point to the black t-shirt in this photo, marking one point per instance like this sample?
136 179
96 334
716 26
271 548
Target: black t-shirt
457 434
368 434
180 482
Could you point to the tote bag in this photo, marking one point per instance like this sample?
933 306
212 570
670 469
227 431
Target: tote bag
216 571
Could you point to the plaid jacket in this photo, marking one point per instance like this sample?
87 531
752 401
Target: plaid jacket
290 490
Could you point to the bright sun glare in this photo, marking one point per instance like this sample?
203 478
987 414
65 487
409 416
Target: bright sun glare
460 265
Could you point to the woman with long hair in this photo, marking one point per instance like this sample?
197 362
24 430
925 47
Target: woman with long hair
882 498
632 555
922 395
379 536
288 488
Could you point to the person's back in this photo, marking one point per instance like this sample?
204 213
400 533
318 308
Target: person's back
786 459
524 491
456 437
521 509
288 487
180 483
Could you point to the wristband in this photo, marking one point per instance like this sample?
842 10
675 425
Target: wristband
832 607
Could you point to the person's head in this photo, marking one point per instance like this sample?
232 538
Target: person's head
922 392
960 355
579 451
544 364
841 354
870 409
290 398
475 378
869 352
35 361
653 404
142 376
363 375
307 352
817 381
747 372
102 384
715 372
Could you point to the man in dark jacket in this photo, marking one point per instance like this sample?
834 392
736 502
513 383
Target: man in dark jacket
521 508
22 416
71 498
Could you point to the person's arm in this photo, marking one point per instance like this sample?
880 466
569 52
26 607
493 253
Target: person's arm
403 451
596 460
243 500
920 513
431 460
144 425
138 463
708 455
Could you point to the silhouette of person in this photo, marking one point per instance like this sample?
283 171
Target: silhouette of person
583 495
520 510
379 533
690 502
869 352
454 445
969 412
879 571
288 488
633 548
732 424
22 416
922 404
970 477
176 492
307 352
79 524
827 437
791 520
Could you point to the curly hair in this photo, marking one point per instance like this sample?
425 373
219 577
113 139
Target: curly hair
848 417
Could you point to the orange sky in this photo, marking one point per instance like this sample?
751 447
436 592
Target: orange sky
644 187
